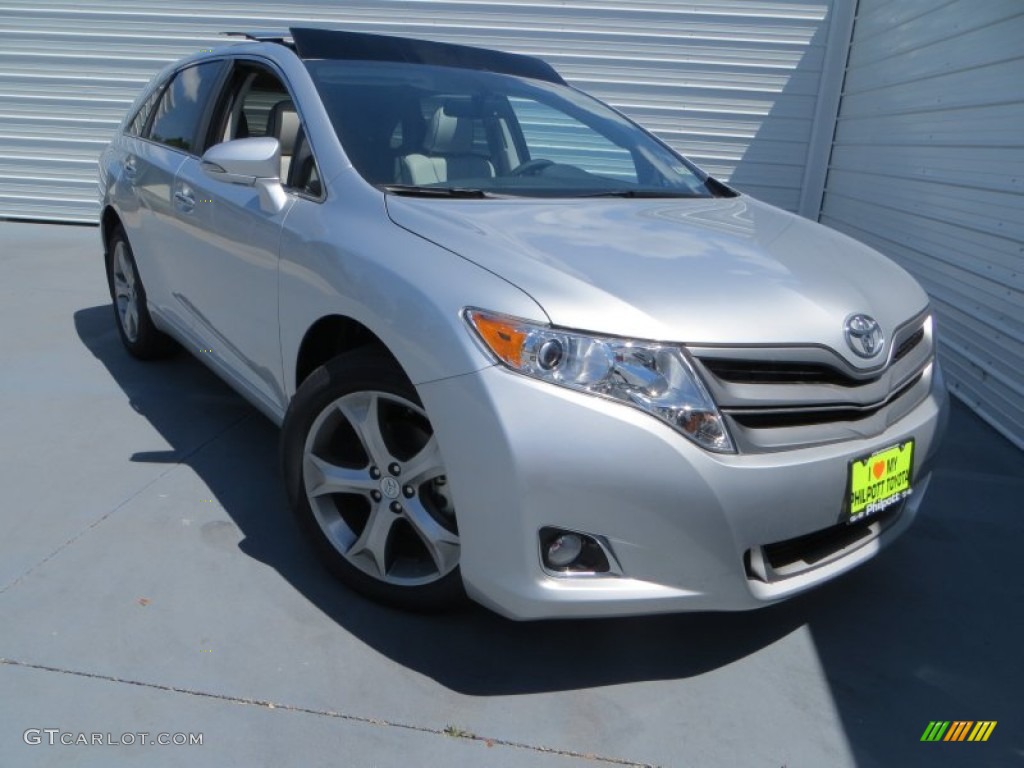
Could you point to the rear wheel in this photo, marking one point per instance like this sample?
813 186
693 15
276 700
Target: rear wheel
366 480
139 335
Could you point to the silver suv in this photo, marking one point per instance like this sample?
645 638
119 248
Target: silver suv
519 348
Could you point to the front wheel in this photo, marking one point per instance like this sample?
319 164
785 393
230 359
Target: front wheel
366 480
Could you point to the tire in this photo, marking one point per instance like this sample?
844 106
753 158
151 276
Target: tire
367 484
139 335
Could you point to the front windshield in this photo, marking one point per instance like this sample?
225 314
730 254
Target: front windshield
418 128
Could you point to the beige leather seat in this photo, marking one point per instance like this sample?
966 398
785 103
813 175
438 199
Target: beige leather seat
447 153
283 124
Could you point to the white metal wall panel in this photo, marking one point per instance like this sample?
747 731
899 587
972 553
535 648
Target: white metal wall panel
928 166
734 84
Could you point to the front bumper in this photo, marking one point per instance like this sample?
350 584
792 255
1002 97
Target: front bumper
681 522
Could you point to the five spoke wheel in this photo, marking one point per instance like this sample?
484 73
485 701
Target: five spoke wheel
376 485
125 296
366 478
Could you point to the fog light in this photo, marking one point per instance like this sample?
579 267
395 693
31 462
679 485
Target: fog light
564 550
572 553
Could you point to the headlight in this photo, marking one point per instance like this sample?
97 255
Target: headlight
656 378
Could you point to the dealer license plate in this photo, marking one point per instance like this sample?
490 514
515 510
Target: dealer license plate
879 481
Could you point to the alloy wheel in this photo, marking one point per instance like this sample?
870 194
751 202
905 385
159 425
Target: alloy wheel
375 481
125 292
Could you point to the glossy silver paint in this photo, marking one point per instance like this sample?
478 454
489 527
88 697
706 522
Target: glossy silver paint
251 162
678 518
710 271
248 281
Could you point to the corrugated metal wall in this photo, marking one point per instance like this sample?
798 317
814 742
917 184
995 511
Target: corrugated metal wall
734 84
928 167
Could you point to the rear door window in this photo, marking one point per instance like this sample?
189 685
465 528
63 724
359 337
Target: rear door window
183 106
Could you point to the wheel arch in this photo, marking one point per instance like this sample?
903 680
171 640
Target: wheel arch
109 220
330 336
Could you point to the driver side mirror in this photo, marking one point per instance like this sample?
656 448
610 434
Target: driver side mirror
254 162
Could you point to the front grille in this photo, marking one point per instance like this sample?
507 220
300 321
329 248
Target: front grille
774 372
779 372
807 417
908 344
776 399
791 557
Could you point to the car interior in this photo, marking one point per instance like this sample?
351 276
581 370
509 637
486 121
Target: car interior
257 104
447 153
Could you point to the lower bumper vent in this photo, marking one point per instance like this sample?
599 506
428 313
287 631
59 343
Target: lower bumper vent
791 557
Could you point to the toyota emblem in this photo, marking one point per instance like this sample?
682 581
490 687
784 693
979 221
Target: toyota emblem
390 487
864 335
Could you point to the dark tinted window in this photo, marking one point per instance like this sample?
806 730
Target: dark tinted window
138 123
181 109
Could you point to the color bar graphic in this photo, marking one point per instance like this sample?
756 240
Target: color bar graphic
935 730
958 730
982 730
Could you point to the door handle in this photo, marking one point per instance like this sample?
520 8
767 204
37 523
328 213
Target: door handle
130 170
185 200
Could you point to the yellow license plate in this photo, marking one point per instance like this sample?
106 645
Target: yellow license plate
880 480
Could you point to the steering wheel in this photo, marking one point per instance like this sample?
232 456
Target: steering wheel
531 167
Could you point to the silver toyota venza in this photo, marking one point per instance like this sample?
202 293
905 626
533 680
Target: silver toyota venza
518 347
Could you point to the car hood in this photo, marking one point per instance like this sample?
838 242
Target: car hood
699 271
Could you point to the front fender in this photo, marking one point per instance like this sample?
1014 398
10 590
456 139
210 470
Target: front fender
346 257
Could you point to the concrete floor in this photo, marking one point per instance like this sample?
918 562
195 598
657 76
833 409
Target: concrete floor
151 581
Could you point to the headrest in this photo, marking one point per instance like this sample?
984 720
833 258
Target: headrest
448 135
283 123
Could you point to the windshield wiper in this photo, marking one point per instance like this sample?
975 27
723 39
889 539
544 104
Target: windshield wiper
638 193
417 191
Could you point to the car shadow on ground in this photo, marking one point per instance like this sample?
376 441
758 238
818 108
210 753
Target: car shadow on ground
471 651
932 629
928 631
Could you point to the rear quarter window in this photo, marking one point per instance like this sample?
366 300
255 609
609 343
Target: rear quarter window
137 124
